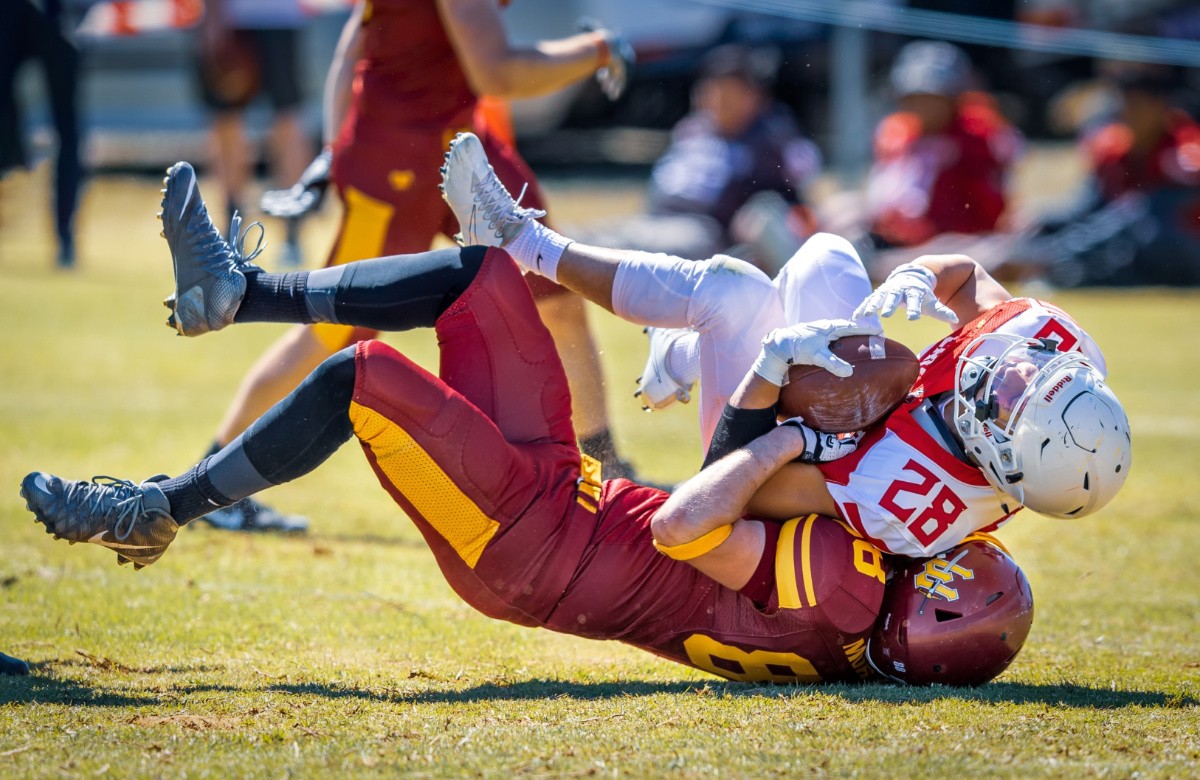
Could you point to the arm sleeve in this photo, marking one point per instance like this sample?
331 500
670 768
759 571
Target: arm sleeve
737 428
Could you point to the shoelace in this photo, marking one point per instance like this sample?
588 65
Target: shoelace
238 240
96 496
211 242
493 199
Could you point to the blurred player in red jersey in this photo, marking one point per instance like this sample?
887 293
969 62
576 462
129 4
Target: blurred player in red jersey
942 160
485 462
1137 220
406 77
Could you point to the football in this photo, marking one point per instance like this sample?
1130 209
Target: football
884 371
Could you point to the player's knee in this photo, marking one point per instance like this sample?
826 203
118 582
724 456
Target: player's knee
824 248
336 375
730 288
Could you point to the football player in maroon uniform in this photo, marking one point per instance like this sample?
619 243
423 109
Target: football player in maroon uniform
406 77
485 461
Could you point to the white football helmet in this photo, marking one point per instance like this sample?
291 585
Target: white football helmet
1042 424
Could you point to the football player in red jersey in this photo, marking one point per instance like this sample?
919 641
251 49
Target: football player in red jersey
1010 410
405 78
944 148
485 462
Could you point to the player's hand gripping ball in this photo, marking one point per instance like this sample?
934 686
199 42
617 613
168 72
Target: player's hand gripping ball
884 372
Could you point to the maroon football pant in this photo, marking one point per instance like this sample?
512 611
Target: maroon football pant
483 459
387 180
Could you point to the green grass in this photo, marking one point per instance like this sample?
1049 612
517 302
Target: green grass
343 652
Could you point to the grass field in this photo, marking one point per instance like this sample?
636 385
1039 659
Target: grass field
343 652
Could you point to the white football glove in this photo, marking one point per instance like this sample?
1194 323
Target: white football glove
614 76
823 447
807 344
914 284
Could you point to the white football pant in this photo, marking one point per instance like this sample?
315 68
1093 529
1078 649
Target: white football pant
730 306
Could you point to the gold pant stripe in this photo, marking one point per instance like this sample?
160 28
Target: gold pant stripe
806 559
785 567
426 486
332 336
365 225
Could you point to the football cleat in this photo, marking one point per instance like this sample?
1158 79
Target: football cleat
251 515
133 520
209 271
487 214
13 666
657 389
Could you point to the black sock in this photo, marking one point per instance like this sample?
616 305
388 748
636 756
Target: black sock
294 437
388 293
192 494
274 298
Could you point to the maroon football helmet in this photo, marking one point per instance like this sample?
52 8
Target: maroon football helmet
956 619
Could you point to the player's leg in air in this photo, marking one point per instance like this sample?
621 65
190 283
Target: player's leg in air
463 459
727 303
824 280
381 218
707 319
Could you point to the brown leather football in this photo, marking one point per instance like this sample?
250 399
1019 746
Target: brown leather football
884 371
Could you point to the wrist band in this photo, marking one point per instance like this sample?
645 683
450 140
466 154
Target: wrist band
602 49
697 547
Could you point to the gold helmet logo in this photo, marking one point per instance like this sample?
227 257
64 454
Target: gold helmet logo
937 577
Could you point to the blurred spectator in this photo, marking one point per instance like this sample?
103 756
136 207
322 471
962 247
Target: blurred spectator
942 160
733 174
1138 220
38 30
248 46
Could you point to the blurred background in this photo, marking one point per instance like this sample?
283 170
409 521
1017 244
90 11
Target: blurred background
1056 72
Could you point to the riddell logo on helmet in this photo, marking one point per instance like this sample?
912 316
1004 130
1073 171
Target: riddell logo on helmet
938 575
1059 385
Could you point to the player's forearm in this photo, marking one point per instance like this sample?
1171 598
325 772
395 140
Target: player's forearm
951 272
339 80
718 495
542 68
963 285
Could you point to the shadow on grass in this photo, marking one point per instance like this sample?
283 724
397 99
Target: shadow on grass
1061 695
39 688
521 691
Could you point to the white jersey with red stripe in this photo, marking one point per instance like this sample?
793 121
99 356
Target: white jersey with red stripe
903 489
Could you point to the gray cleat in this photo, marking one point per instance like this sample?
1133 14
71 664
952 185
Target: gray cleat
13 666
134 520
254 516
209 271
486 212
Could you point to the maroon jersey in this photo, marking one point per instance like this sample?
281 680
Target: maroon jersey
409 75
950 182
828 586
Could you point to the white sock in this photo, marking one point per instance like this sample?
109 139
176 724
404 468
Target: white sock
537 249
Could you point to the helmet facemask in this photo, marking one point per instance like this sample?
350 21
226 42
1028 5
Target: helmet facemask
997 380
